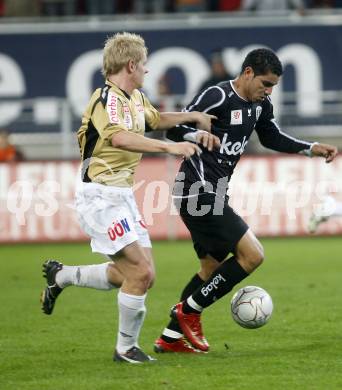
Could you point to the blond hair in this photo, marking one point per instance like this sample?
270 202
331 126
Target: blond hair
119 49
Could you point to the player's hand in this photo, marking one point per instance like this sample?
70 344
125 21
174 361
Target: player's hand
329 152
208 140
185 149
203 120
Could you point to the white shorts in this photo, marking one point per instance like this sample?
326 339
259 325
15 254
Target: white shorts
110 216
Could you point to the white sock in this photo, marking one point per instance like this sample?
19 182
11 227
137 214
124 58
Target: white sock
93 276
131 317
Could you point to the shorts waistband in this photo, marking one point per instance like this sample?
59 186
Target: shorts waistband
110 190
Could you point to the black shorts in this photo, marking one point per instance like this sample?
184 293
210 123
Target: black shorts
217 231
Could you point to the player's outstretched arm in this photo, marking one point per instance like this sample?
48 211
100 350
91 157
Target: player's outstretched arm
132 142
172 119
329 152
200 137
185 149
208 140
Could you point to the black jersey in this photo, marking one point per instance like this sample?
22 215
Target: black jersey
236 120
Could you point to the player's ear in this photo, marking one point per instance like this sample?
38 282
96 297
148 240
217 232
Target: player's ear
249 73
131 66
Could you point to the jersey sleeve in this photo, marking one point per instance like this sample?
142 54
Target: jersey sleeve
108 116
271 136
208 101
152 116
178 133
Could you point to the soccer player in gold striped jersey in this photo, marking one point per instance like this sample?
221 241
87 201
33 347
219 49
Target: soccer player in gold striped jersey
111 140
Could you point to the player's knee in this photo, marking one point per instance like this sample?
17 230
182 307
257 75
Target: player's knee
146 275
256 257
151 278
253 258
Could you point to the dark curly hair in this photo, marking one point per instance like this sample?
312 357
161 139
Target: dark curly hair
263 61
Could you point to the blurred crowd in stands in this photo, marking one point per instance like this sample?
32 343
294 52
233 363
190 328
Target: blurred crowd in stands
32 8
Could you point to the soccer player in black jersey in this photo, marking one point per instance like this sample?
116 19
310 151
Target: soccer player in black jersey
200 192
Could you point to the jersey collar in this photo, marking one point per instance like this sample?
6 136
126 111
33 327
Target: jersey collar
118 89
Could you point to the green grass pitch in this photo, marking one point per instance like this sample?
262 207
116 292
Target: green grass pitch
300 348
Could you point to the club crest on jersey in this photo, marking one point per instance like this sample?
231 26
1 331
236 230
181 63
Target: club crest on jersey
236 117
112 108
258 112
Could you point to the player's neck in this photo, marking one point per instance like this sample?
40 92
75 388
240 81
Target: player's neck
123 82
239 88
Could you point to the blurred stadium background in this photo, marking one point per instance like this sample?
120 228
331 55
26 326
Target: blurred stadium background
50 62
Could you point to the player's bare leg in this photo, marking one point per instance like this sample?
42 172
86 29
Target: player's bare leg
136 265
248 256
149 257
249 252
208 266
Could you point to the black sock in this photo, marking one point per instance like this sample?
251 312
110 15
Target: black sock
226 276
192 286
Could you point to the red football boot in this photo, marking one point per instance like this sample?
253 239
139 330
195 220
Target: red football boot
161 346
191 327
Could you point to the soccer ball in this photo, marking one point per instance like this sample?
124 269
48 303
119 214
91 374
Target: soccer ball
251 307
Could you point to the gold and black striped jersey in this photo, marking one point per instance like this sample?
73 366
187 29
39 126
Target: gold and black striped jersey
111 110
